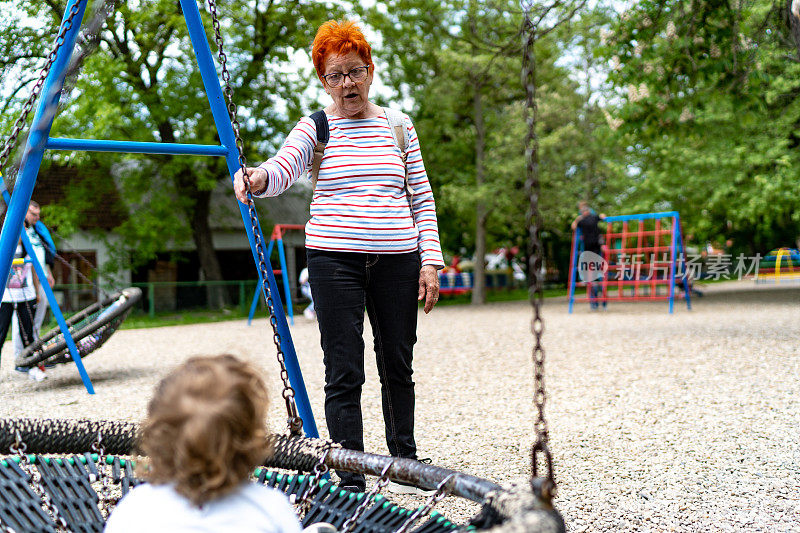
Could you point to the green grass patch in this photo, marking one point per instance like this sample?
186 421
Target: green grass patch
182 318
500 295
141 320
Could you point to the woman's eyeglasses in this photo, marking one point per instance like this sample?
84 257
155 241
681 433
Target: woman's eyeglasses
356 75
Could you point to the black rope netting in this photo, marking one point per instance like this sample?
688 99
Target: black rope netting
507 509
66 436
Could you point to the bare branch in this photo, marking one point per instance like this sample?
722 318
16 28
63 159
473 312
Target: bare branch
564 19
23 84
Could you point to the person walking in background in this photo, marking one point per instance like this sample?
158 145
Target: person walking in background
305 290
372 240
45 250
19 299
587 221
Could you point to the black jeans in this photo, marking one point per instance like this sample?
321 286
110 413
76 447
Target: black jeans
343 285
25 311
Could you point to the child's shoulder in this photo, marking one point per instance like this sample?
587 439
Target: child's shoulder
257 503
263 494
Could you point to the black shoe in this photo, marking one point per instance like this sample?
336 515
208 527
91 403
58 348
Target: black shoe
400 487
352 481
21 370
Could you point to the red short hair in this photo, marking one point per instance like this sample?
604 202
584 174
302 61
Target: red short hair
339 38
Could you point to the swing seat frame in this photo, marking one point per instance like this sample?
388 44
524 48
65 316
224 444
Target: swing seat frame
90 328
71 455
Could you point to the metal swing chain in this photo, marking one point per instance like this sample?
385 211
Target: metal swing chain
535 250
442 490
350 524
77 271
26 109
35 481
320 469
295 422
106 500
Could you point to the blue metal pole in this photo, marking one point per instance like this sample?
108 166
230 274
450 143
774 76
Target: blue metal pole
253 305
286 289
686 289
40 273
32 160
62 324
205 62
134 147
643 216
673 264
34 146
258 290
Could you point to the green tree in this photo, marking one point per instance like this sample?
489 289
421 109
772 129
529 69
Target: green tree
142 84
709 106
465 82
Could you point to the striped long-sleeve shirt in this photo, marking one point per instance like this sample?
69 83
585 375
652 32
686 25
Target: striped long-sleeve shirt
360 204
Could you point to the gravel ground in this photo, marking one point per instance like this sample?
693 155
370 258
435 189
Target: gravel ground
686 422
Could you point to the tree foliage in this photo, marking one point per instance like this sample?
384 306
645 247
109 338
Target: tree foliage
142 84
708 103
686 105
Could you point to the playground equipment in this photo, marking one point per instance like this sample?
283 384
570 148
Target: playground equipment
642 258
781 265
80 486
31 481
278 231
453 281
89 328
50 83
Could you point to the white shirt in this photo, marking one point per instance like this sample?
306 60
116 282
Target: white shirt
19 285
36 242
159 508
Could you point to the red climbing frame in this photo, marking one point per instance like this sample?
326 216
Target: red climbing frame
643 259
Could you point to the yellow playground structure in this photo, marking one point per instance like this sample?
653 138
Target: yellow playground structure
781 265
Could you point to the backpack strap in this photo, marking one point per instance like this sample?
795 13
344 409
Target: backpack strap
323 135
49 250
397 126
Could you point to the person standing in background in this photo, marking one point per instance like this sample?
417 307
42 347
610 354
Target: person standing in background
587 221
45 250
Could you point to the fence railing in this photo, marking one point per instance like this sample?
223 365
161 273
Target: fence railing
171 296
175 296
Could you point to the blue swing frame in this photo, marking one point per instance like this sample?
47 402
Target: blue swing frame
39 140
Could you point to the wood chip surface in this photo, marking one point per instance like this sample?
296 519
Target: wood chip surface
658 422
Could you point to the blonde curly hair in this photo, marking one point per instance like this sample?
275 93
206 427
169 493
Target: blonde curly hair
206 429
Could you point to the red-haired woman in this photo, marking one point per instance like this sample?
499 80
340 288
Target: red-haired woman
370 242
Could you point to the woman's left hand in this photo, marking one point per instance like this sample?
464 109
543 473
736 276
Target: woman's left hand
428 287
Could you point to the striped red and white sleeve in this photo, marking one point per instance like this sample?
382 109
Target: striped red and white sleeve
292 160
423 206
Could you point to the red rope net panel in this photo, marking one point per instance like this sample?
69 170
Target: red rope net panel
642 259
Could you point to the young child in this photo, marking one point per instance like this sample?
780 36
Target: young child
305 290
19 299
204 434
